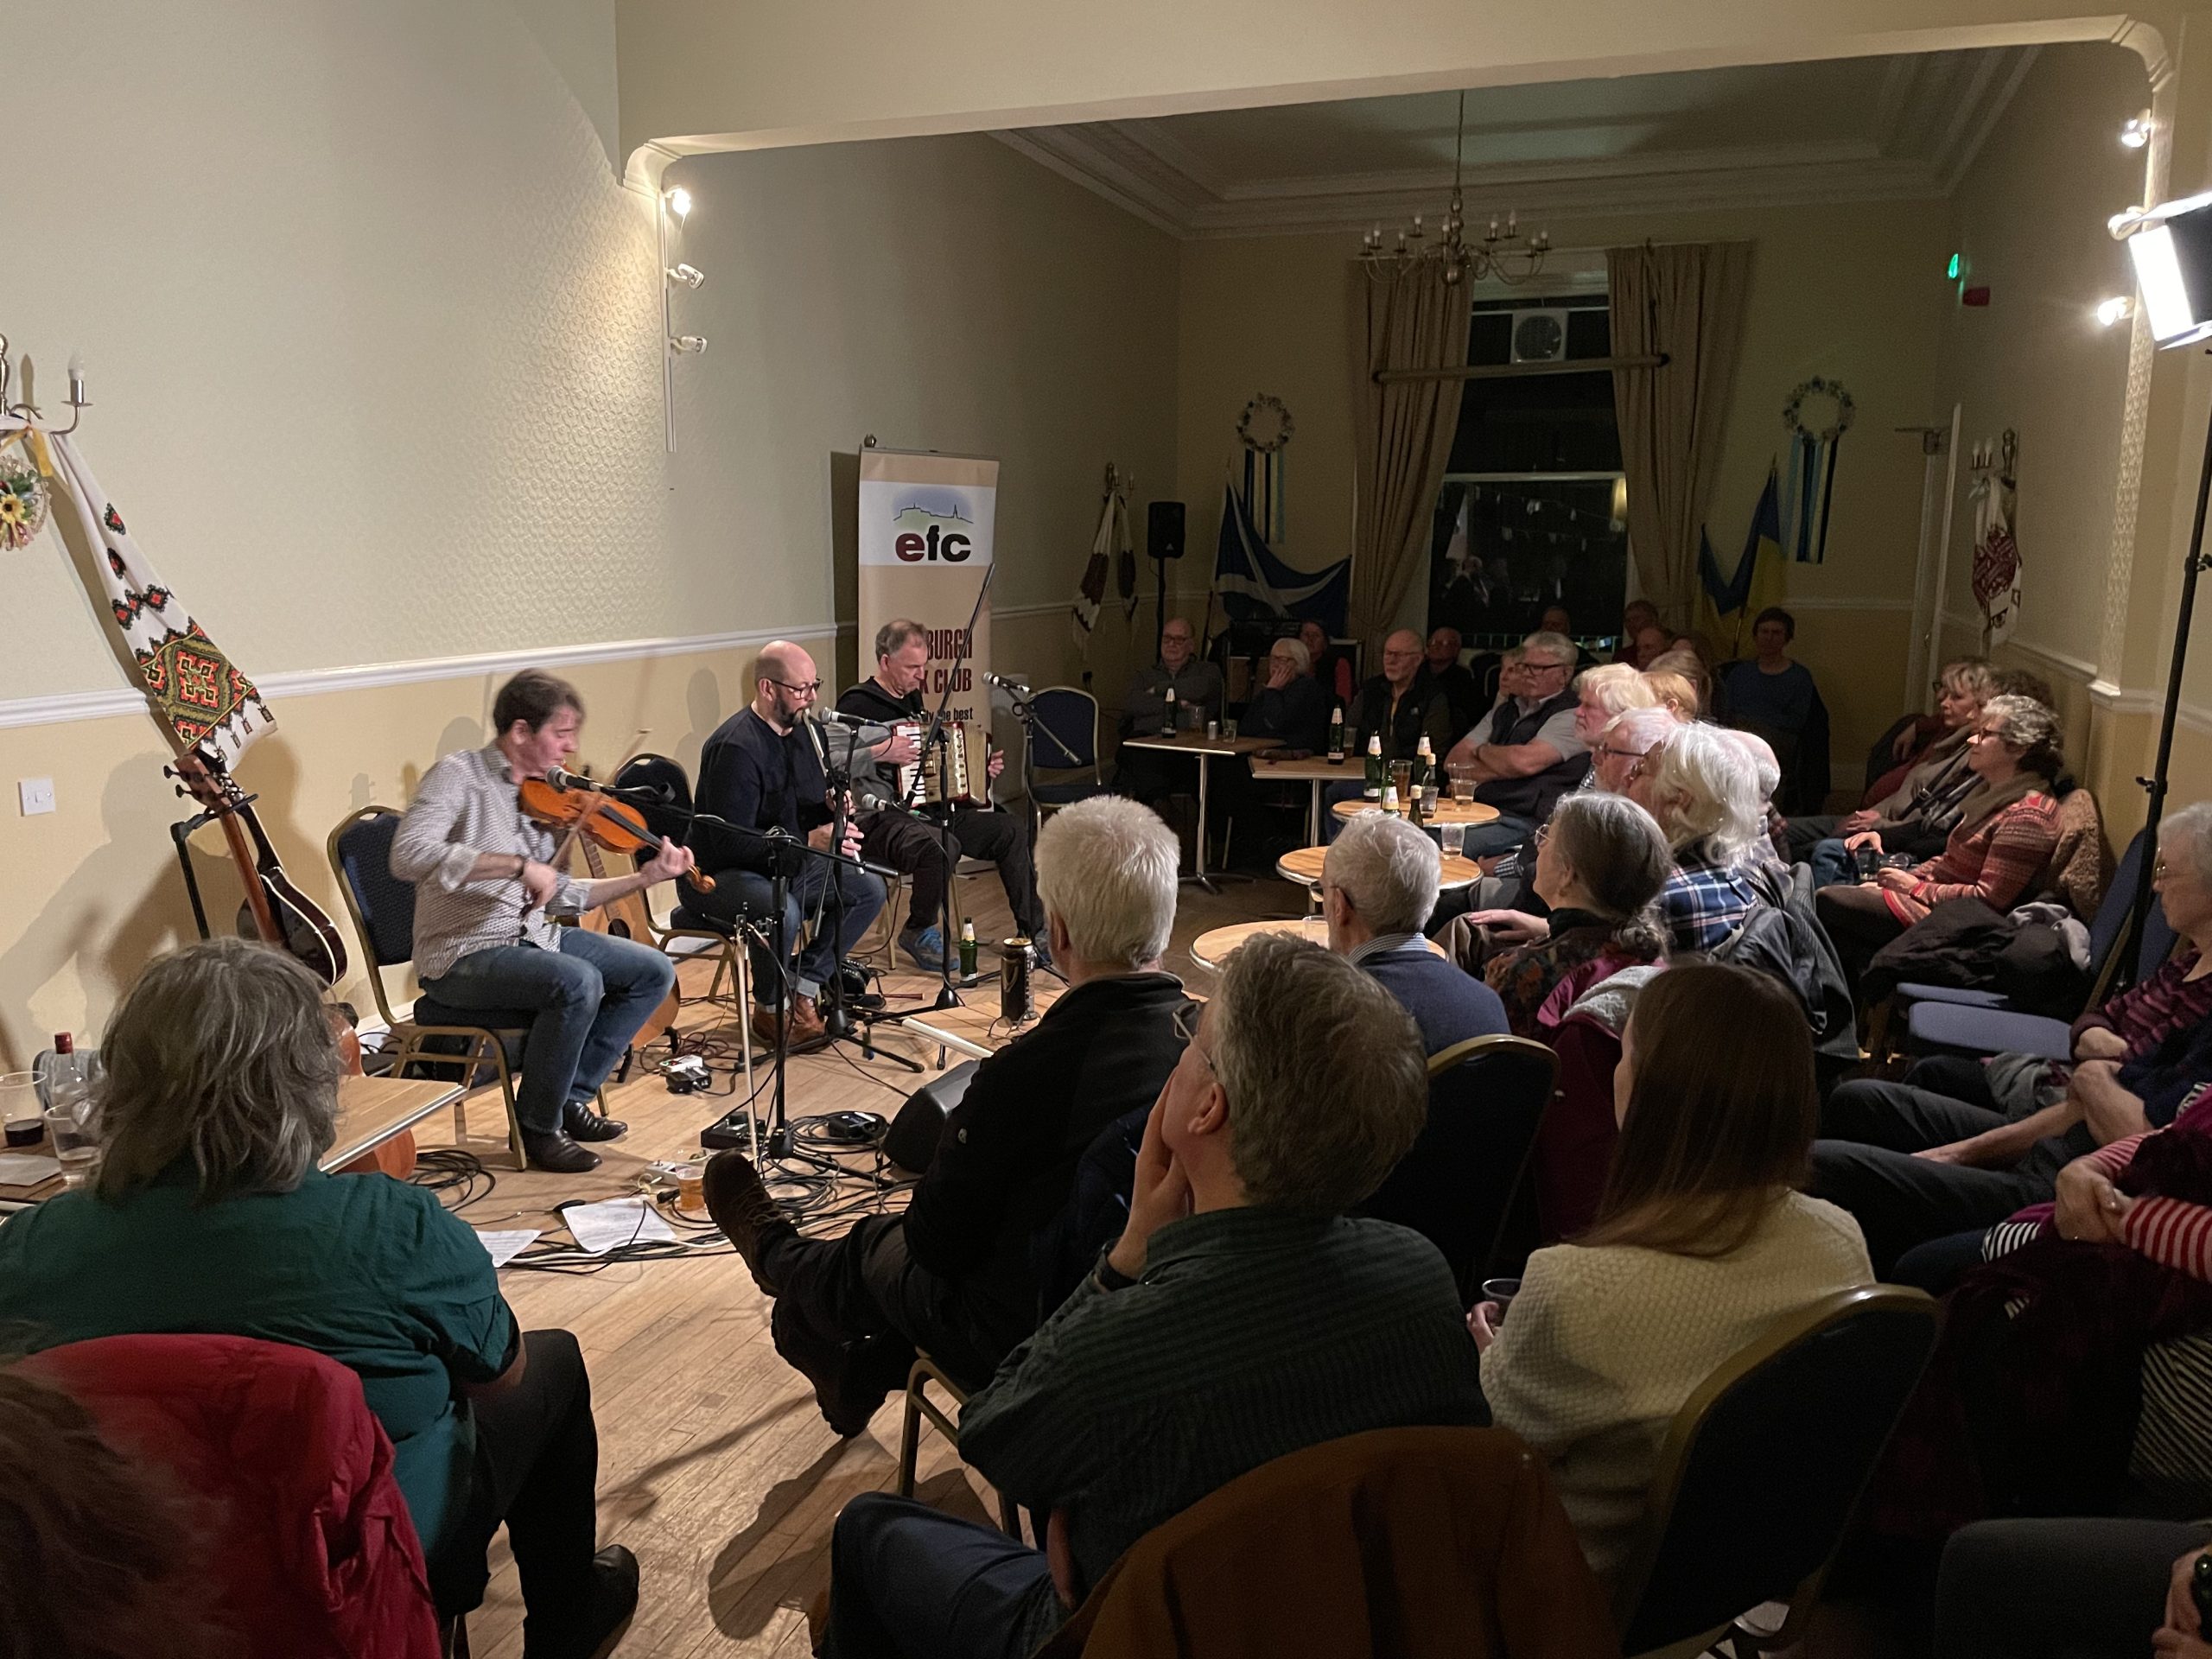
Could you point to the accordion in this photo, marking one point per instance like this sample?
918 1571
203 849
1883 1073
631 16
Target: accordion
954 768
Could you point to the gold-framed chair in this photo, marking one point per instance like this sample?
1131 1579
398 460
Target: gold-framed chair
383 909
1760 1472
920 1405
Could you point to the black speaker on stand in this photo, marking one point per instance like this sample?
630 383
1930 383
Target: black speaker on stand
1163 540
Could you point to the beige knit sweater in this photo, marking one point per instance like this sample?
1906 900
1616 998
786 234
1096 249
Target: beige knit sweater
1604 1345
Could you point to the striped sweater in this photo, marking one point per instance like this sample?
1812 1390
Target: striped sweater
1995 860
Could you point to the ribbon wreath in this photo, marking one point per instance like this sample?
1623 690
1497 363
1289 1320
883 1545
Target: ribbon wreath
1810 489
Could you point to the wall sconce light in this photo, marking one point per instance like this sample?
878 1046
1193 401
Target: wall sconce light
679 202
688 345
690 276
2137 131
2118 308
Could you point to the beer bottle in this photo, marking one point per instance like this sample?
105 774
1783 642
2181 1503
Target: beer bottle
1335 735
1375 770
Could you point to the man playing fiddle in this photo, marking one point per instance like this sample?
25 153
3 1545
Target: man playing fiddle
757 771
911 838
486 941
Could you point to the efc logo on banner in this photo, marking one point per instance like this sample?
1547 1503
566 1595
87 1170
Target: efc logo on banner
922 526
939 543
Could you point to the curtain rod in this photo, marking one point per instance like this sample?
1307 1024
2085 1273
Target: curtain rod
1503 371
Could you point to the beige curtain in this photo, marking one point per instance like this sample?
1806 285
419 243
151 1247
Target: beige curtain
1686 301
1402 432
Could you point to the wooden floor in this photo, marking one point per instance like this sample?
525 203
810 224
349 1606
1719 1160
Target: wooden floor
715 1465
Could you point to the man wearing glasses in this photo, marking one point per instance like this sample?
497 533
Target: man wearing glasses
1526 751
1400 705
760 771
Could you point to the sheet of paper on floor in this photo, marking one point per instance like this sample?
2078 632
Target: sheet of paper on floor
613 1222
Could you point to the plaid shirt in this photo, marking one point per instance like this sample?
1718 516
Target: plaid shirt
1701 903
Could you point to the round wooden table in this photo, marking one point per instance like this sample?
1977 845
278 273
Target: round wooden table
1209 948
1303 867
1447 812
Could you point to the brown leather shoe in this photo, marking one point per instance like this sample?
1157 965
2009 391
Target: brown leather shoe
804 1023
738 1200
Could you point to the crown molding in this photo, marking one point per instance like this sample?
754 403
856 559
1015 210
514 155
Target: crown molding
1932 116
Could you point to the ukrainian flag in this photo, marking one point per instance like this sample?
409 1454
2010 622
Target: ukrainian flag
1759 579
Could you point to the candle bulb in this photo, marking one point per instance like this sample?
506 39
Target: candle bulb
77 398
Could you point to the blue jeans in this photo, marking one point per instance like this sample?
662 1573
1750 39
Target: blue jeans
1832 864
589 998
907 1581
807 895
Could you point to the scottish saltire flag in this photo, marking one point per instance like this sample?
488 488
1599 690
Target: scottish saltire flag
1254 585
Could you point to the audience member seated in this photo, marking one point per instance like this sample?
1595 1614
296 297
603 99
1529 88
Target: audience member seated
1526 753
952 1276
1600 863
1463 698
1601 694
1770 693
1399 707
1961 686
1146 775
1241 1316
1557 620
1332 664
1647 644
1766 772
103 1557
1626 740
1995 853
1290 705
1701 1243
2070 1589
1701 788
209 1215
1917 813
1637 615
1378 884
1961 1144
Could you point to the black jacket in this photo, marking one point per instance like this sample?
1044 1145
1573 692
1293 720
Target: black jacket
1297 714
1422 709
758 780
1006 1162
875 784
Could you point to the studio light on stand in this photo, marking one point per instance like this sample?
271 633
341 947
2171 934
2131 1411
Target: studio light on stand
2172 247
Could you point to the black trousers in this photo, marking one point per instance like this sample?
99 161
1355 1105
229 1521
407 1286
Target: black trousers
859 1306
2070 1589
537 1469
911 843
1859 922
1864 1160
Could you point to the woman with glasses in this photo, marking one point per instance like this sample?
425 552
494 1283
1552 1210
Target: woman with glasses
1994 855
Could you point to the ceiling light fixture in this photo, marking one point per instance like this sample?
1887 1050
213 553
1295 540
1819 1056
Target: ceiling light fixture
679 202
2118 308
1506 254
2137 131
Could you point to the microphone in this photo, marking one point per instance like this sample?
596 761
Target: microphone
564 781
809 719
840 717
1006 682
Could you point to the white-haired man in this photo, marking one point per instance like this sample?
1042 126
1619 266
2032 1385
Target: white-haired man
954 1274
1378 885
1241 1316
1526 753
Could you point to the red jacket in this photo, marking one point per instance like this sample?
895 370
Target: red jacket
306 1534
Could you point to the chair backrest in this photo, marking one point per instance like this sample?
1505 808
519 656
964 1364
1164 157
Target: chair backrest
1067 723
381 904
1416 1543
309 1546
1763 1465
2108 927
672 820
1459 1186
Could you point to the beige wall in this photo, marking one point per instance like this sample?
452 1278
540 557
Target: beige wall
375 344
1850 292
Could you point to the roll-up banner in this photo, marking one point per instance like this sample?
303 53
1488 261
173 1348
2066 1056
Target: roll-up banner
924 549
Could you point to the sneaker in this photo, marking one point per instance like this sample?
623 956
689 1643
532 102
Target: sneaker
926 947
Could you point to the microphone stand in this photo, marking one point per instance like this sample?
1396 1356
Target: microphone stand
934 732
837 1021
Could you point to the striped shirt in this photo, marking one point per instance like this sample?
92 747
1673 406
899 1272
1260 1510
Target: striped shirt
1253 1333
2145 1015
469 804
1994 861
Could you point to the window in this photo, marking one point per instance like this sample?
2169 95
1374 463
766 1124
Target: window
1531 512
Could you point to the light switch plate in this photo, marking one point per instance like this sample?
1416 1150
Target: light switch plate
37 795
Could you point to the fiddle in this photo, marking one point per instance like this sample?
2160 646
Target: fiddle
615 825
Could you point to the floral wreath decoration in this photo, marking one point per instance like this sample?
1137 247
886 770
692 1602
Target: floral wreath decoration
1267 403
1847 411
23 502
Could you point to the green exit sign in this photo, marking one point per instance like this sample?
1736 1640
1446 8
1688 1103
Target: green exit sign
1951 270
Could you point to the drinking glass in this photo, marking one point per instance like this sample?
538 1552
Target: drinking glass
1401 774
75 1145
1454 836
19 1108
1462 781
1502 1292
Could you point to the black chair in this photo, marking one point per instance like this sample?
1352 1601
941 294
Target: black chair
1761 1472
1464 1184
671 820
1066 741
435 1040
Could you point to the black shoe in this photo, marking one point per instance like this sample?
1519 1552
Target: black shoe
853 979
582 1123
610 1602
738 1200
851 1379
557 1153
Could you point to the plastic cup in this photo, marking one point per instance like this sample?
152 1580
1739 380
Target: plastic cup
76 1147
19 1109
1502 1292
1454 836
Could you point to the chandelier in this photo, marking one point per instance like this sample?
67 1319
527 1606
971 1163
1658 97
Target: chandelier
1504 252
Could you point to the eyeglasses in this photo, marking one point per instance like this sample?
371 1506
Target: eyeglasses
806 690
1541 668
1186 1020
1543 834
1621 754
